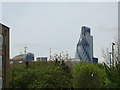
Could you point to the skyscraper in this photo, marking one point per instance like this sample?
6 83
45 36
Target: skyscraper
84 49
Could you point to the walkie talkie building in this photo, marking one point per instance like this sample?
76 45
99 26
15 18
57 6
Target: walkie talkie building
84 49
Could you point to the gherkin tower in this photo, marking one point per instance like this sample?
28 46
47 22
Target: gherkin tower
84 48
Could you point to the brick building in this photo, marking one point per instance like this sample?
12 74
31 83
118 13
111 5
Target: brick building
4 54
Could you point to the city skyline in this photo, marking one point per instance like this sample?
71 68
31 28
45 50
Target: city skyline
50 25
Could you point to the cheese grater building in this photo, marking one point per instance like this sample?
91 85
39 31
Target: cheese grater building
84 49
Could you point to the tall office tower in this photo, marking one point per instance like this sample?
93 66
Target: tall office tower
84 49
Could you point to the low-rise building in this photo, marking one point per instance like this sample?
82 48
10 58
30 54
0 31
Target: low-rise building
41 58
22 59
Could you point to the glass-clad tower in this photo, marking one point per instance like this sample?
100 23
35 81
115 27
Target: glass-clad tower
84 49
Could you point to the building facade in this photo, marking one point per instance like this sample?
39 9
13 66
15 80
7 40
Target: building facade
29 57
4 55
22 59
41 58
84 49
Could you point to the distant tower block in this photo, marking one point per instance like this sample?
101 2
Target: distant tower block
84 49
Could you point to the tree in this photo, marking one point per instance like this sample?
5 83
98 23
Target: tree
40 75
88 76
112 54
113 72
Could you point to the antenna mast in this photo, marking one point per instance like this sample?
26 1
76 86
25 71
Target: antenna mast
25 49
50 54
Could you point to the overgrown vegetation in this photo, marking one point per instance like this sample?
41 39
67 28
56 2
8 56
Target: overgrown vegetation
56 75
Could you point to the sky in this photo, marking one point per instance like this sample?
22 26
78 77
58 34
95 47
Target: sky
57 25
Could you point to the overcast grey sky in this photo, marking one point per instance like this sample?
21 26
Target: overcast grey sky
41 26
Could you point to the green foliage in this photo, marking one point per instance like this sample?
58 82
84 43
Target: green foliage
113 76
58 75
40 75
88 76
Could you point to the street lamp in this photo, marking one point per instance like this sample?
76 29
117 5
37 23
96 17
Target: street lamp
110 58
113 44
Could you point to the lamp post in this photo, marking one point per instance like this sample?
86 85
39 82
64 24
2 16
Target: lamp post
110 58
113 61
